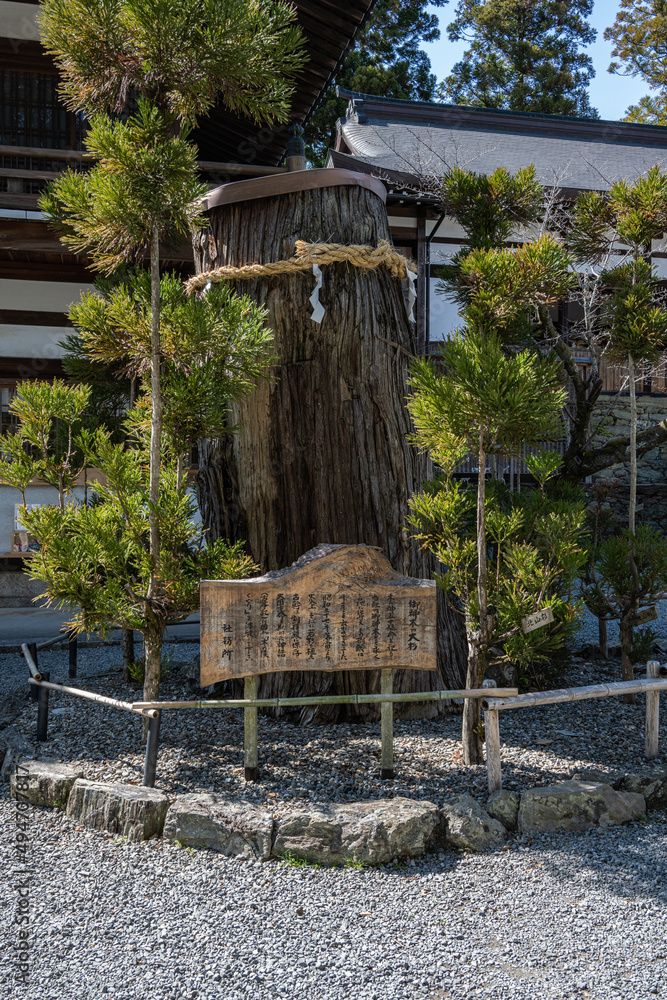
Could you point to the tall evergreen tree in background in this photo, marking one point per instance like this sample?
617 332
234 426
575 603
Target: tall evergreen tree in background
523 56
639 34
386 61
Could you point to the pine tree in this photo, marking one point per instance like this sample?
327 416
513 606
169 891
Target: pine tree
492 399
639 34
498 207
634 324
523 56
386 60
156 66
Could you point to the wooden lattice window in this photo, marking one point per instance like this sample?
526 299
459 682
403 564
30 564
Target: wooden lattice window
8 422
31 113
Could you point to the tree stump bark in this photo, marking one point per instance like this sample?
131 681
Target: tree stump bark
321 453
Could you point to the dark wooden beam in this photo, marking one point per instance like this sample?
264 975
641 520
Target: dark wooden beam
422 284
33 317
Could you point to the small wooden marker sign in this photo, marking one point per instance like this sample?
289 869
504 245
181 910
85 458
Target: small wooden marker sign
538 620
648 615
339 607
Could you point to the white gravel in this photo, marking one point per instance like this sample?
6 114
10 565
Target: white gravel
202 750
563 916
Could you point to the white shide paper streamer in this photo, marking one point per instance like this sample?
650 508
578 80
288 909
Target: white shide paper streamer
318 309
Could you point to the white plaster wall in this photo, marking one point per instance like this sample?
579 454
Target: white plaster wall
9 497
48 296
31 341
444 315
19 20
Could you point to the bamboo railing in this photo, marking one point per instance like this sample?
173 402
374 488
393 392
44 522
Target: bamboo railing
654 682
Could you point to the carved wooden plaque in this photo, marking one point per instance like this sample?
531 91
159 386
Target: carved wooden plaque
339 607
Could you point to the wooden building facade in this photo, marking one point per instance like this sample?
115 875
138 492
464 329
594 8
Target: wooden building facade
39 138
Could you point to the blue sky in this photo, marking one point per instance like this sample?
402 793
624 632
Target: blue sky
609 93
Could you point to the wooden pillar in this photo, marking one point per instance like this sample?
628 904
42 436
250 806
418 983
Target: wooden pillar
250 731
387 725
652 712
492 741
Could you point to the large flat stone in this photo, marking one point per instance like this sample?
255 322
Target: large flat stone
466 824
43 783
577 805
131 811
372 832
237 829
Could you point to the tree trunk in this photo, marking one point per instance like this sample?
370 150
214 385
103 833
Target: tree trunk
321 454
152 663
602 637
633 445
626 630
127 648
470 736
152 666
477 639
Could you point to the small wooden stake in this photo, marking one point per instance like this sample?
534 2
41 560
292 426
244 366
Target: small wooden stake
43 710
250 731
652 711
387 725
492 741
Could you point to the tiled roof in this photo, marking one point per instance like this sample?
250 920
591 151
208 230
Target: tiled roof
414 137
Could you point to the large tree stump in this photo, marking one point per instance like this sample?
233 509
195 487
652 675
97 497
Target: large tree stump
322 453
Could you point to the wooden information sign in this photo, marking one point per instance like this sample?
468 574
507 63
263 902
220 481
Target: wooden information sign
339 607
537 620
647 615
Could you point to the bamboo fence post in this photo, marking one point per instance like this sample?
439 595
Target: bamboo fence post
652 712
387 724
250 730
492 741
150 763
43 710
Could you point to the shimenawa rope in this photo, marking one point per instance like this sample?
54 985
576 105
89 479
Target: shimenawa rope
367 257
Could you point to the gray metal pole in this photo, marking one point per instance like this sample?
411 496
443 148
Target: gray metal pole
150 763
72 645
43 710
32 649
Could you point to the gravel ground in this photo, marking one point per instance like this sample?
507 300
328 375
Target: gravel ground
203 750
561 916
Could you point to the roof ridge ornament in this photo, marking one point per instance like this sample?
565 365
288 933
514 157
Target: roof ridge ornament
355 110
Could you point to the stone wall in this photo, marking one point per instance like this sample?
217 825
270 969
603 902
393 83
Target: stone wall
652 467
